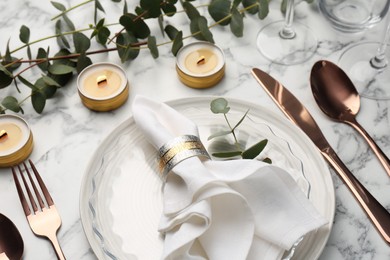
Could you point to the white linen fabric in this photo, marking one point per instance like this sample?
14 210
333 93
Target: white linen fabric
221 210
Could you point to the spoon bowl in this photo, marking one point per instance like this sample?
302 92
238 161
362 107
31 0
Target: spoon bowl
338 98
11 242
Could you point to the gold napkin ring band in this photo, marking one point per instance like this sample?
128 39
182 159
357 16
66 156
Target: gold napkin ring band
179 149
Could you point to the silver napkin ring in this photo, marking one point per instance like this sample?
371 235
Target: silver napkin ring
177 150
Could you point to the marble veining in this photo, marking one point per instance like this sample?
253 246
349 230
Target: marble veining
66 134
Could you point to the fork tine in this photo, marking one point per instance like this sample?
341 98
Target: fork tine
37 194
26 207
46 193
31 197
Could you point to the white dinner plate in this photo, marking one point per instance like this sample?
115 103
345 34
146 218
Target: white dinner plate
121 199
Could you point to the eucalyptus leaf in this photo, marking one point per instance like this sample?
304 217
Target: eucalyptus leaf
219 106
226 154
200 30
190 10
153 46
135 26
152 6
38 100
267 160
171 31
27 83
69 22
24 34
103 35
48 89
219 10
240 121
263 9
125 50
61 39
11 103
6 77
29 55
58 6
99 6
169 9
237 23
82 62
254 150
177 43
81 42
254 3
50 82
60 69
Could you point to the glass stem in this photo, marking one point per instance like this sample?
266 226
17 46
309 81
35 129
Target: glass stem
380 60
287 31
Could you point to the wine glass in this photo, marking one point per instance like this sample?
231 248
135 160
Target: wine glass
367 65
287 42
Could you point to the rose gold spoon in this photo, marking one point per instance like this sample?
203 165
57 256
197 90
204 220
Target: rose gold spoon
11 242
337 97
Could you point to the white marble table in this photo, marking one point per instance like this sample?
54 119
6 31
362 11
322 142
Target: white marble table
67 133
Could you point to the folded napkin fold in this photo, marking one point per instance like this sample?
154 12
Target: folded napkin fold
219 210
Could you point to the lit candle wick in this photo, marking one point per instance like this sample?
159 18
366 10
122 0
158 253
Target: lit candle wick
3 134
101 81
201 60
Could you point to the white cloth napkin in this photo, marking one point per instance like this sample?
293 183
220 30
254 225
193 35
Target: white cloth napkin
221 210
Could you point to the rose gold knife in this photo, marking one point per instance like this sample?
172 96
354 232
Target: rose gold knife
300 116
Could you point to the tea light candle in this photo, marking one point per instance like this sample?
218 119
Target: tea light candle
16 141
200 64
103 86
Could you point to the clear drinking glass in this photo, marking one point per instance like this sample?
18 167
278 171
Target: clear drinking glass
367 65
353 15
287 42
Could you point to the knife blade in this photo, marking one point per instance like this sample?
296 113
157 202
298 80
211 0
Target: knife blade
299 115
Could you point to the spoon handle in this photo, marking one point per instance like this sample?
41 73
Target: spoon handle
378 215
384 160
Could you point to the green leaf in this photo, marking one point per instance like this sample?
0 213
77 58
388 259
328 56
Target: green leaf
29 52
117 1
219 106
42 54
24 34
58 6
267 160
236 3
48 89
263 9
153 46
240 121
136 26
60 69
68 22
6 77
11 103
27 83
254 150
50 82
191 11
61 39
169 9
254 3
160 20
237 23
171 31
152 6
219 134
82 62
219 10
99 6
125 50
38 100
177 43
200 29
226 154
81 42
103 35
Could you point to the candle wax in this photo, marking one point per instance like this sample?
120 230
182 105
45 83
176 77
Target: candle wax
13 138
193 65
93 89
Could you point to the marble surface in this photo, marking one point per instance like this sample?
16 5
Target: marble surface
66 133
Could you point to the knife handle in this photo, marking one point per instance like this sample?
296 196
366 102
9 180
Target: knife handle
378 215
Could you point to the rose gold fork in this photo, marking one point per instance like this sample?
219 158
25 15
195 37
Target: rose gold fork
44 220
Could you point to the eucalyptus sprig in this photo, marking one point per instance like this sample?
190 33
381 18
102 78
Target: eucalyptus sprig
221 106
133 36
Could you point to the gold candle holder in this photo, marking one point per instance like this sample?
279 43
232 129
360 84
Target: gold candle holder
200 64
16 140
103 86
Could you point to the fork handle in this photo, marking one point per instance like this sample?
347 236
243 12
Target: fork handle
54 241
